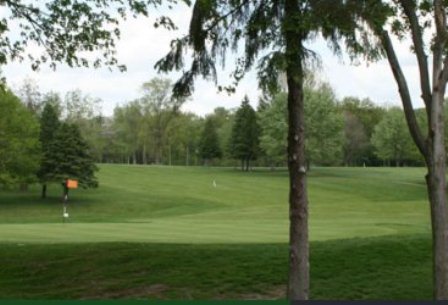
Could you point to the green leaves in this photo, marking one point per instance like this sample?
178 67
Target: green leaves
323 125
391 138
70 29
19 143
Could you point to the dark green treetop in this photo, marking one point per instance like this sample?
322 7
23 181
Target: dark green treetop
49 124
69 157
209 142
244 141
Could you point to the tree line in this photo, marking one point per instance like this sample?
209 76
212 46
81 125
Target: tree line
153 129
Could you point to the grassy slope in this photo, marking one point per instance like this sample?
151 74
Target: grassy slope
180 205
369 228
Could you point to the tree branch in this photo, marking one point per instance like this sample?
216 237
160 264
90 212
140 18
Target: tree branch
439 42
440 69
403 89
445 70
409 9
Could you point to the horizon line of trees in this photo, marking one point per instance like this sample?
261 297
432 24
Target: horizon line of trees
154 130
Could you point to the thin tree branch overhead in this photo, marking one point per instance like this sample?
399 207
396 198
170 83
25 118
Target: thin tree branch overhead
404 93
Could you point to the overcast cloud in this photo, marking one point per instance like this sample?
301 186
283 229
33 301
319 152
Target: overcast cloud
142 45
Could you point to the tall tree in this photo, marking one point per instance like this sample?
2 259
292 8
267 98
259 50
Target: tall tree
159 108
223 119
49 124
69 158
324 125
391 139
85 111
361 117
425 22
323 122
19 141
209 143
282 28
183 138
356 141
274 127
126 128
244 140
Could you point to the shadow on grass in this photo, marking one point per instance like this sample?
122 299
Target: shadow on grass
33 197
393 267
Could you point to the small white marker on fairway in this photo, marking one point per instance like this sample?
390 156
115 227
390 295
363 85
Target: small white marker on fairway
214 183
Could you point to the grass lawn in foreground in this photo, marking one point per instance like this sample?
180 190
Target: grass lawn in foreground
166 232
379 268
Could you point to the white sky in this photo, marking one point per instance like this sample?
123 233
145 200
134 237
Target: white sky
141 46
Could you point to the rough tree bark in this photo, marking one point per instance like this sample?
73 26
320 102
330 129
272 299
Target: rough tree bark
432 147
298 283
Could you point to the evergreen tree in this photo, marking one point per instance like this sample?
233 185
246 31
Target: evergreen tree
68 157
244 142
49 123
209 144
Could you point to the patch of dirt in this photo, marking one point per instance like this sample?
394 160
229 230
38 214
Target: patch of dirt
158 291
274 293
143 292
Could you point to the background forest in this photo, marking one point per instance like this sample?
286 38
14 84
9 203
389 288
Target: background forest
154 129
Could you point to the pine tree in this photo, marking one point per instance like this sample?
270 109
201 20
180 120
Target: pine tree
274 35
209 143
244 141
49 124
69 158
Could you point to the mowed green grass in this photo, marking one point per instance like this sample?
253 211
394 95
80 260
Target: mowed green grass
181 205
161 232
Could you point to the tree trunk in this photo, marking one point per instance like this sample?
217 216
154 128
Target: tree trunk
437 198
435 179
242 164
298 283
433 147
144 158
23 187
44 191
169 151
247 164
